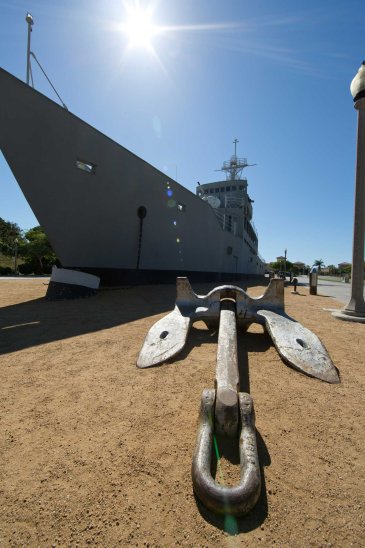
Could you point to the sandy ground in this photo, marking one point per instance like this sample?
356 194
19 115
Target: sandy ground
95 451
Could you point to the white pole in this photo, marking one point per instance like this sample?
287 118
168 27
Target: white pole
355 310
29 20
357 304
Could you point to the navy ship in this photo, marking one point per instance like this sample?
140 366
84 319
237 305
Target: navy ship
108 212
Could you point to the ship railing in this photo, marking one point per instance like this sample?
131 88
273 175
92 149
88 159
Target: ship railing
235 162
252 233
232 201
254 228
230 225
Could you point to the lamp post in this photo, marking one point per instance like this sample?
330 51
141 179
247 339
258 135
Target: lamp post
355 310
285 265
16 256
29 20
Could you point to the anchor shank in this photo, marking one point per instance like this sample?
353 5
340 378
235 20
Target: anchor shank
227 376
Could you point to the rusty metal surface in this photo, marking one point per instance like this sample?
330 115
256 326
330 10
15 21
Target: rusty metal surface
241 498
227 376
300 347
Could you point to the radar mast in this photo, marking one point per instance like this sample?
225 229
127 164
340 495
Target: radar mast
233 167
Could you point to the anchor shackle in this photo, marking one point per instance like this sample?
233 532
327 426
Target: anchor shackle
241 498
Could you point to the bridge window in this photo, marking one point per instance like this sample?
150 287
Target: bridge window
86 166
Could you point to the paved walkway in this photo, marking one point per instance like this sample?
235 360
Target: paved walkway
339 290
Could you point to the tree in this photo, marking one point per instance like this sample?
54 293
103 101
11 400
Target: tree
37 252
278 266
319 263
10 233
346 269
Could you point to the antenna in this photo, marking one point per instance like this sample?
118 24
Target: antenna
234 166
29 20
235 145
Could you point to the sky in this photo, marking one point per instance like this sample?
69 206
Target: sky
274 74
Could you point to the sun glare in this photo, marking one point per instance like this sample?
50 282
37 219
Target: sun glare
139 27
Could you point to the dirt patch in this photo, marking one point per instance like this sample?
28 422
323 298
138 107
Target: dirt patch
95 451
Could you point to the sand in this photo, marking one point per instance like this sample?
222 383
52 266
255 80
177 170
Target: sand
95 451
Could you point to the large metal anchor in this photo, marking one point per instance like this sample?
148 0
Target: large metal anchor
225 410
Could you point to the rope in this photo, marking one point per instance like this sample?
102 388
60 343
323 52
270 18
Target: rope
31 74
49 81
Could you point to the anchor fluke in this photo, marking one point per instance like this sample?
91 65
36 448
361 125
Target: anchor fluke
300 347
165 339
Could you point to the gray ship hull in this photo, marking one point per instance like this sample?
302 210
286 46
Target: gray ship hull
86 192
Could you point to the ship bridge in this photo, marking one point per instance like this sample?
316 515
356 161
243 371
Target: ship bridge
230 200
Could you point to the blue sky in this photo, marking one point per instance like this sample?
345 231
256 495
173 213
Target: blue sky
275 74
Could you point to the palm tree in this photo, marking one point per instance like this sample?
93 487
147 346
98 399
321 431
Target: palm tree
319 263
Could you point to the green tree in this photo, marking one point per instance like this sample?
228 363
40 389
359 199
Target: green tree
37 252
332 269
347 269
319 263
10 234
279 266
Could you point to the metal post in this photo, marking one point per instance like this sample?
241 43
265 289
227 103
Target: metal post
16 256
235 147
355 310
29 20
285 265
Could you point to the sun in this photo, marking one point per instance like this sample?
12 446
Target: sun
139 27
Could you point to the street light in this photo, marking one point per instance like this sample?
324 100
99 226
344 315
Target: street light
355 310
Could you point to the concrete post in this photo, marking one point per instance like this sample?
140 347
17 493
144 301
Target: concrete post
355 310
313 282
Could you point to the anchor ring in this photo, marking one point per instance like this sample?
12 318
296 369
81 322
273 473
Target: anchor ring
241 498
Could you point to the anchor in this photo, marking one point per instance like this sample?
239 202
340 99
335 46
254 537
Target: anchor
225 410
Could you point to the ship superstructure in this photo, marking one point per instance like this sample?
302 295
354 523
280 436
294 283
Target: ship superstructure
232 204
